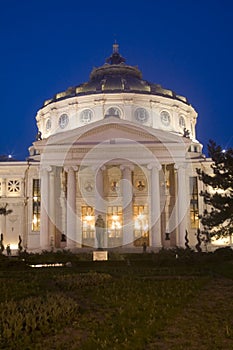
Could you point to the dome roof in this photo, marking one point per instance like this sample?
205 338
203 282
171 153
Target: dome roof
115 76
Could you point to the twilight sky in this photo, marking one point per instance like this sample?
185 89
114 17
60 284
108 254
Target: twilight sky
47 46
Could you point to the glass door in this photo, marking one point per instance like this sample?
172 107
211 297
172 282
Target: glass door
114 226
88 226
141 227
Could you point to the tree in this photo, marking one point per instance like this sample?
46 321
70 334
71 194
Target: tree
217 220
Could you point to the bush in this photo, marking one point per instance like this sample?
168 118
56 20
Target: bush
225 253
34 315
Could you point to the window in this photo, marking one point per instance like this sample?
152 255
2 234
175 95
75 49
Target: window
88 222
48 124
140 214
86 116
113 112
36 205
114 222
165 118
63 121
193 193
182 122
13 187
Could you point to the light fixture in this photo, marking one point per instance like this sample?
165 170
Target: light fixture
89 218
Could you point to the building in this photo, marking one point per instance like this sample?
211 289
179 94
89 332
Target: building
116 146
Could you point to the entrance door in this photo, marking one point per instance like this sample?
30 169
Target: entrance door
88 226
141 227
114 226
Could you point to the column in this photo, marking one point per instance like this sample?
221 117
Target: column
127 204
63 194
71 207
100 205
44 217
155 211
99 192
3 187
52 223
3 217
182 203
169 220
78 221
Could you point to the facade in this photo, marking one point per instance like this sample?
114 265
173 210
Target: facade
116 146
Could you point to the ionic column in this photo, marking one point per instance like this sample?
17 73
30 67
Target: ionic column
100 206
127 196
182 204
99 192
3 217
78 212
71 206
155 211
44 216
52 223
63 201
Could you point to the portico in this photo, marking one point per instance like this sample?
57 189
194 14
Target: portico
123 179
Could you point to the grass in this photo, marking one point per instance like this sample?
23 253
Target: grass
136 301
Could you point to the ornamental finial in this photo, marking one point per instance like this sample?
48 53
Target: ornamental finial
115 47
116 58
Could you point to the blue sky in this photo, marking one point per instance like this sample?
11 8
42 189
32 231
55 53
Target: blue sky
47 46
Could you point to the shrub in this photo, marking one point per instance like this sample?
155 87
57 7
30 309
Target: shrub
225 253
34 315
72 282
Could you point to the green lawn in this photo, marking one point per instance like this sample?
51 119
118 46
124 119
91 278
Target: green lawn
142 301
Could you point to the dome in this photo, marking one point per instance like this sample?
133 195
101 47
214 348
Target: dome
115 76
117 90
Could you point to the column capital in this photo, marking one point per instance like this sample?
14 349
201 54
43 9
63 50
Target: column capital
157 166
46 169
127 167
71 168
180 165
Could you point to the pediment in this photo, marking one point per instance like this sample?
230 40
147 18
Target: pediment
113 139
113 132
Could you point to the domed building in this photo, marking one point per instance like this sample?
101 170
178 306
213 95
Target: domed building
116 148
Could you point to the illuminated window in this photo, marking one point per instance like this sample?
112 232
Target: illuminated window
193 193
0 187
114 222
141 227
88 223
36 205
13 187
